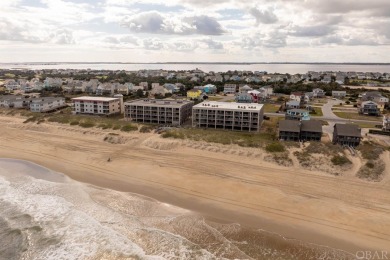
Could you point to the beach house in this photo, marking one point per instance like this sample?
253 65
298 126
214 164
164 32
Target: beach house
47 104
244 98
291 130
297 114
339 94
230 88
369 108
386 123
347 134
194 94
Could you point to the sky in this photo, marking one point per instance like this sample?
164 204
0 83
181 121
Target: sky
195 31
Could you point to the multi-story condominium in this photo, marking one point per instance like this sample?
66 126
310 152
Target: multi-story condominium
158 111
11 101
227 115
96 105
369 108
347 134
230 88
47 104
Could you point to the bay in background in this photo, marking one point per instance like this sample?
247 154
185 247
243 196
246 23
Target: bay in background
216 67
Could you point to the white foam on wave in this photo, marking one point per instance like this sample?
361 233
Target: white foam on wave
80 235
81 221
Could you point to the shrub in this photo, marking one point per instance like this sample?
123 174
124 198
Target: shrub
146 129
30 119
116 127
340 160
87 124
62 120
370 165
129 128
275 147
74 122
173 134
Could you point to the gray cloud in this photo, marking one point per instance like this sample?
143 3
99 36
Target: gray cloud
273 39
211 44
263 16
62 36
205 3
153 44
346 6
155 23
312 31
184 46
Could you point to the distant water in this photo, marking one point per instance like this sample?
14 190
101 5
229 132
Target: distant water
45 215
270 68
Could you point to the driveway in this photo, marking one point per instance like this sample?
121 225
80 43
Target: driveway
327 109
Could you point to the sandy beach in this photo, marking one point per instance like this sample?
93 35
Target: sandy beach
226 183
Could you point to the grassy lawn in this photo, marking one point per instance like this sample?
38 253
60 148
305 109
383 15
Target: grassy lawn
318 111
349 115
271 108
214 98
365 125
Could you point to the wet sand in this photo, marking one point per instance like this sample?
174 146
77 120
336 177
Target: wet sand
339 212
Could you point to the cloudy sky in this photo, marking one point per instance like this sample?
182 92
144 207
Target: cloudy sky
195 30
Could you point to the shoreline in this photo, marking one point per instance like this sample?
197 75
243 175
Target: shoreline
216 215
185 184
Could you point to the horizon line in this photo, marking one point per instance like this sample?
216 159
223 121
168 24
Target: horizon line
201 62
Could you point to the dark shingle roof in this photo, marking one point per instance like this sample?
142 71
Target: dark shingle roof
311 126
348 130
289 126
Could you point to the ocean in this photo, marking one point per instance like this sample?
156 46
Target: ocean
46 215
220 67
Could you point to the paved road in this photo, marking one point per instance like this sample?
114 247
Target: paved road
329 116
327 109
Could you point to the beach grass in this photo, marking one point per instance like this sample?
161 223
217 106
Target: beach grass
244 139
271 108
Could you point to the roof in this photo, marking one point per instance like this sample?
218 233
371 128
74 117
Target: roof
293 102
158 102
369 102
289 126
348 130
301 111
46 100
246 87
230 105
311 126
87 98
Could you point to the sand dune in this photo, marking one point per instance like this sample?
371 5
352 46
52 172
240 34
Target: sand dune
229 183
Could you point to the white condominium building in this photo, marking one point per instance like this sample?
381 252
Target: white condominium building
158 111
96 105
227 115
